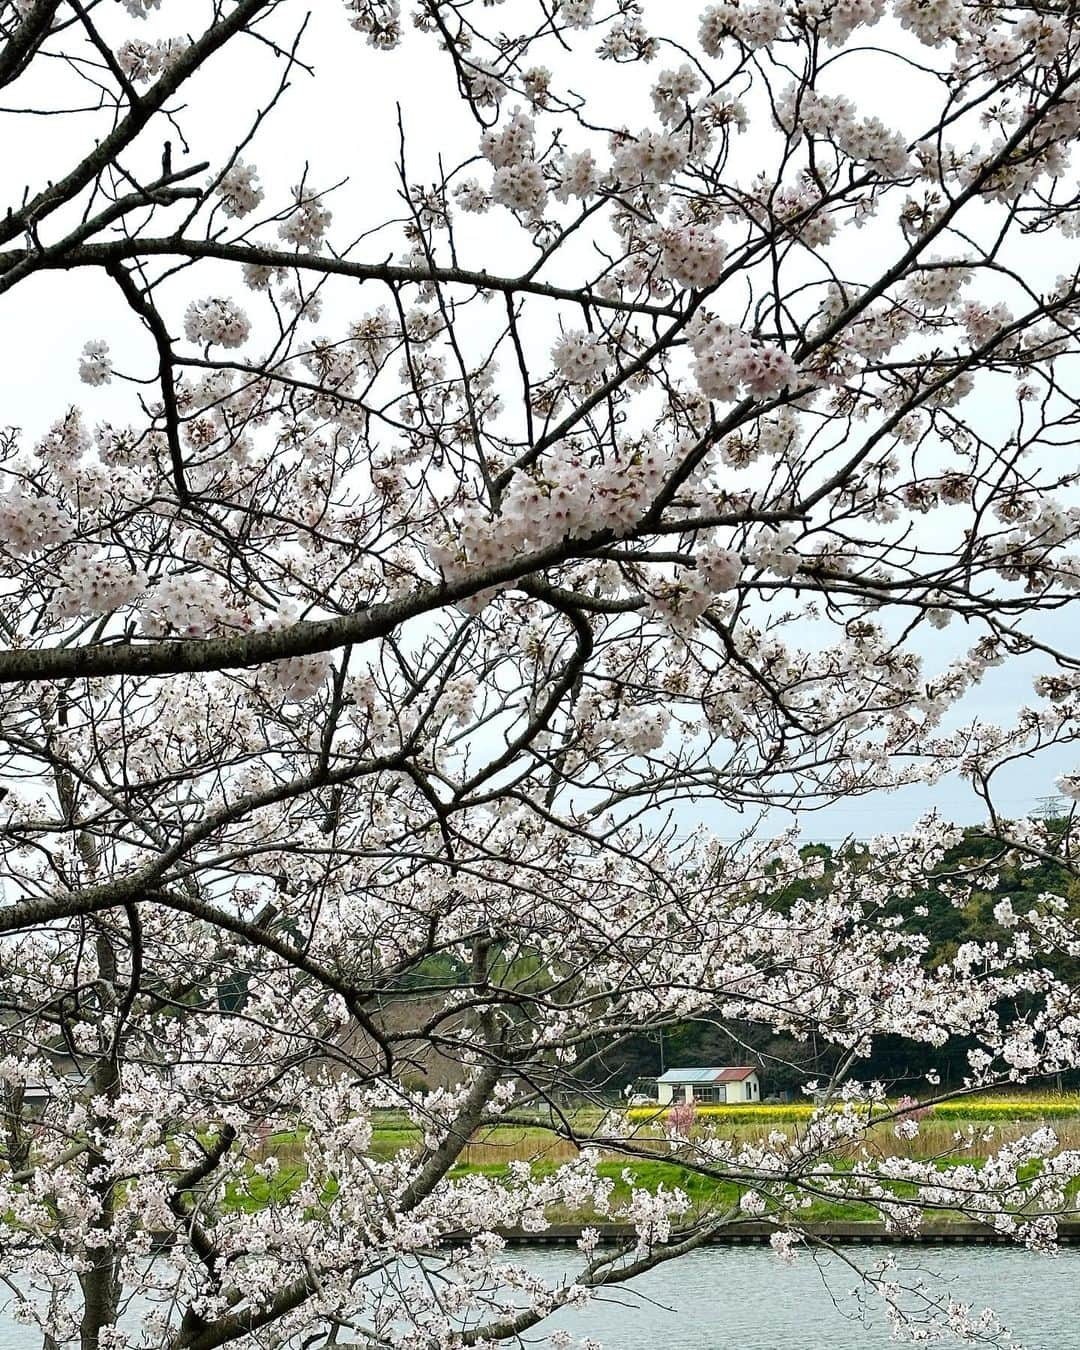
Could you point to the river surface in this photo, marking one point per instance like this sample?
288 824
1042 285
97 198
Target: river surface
745 1298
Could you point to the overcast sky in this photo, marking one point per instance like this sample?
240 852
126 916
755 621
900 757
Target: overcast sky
343 123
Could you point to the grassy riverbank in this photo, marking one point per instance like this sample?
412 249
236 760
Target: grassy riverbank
961 1131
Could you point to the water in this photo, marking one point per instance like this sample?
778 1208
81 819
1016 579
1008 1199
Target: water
744 1298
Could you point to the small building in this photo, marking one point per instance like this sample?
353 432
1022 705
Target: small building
37 1093
708 1086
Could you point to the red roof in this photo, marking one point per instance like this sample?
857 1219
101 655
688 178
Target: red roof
733 1075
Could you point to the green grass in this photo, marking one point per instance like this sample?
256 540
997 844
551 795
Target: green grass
259 1192
494 1148
704 1193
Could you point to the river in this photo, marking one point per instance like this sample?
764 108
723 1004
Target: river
745 1298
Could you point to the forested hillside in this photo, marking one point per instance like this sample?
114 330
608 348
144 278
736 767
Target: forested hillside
977 890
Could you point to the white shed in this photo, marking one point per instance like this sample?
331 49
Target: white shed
708 1086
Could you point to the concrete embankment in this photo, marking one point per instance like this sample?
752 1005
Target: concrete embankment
840 1232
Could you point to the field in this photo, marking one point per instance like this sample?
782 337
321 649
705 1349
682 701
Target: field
970 1110
961 1130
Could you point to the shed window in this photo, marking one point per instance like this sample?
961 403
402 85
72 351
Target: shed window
710 1092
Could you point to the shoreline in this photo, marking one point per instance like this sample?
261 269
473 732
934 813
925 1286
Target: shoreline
850 1233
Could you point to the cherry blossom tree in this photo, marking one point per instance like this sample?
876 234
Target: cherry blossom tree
434 551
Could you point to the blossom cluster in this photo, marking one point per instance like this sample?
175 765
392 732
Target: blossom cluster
752 25
216 320
95 367
29 523
95 585
306 224
867 140
692 256
378 20
143 61
566 498
240 193
579 357
189 603
519 181
728 363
